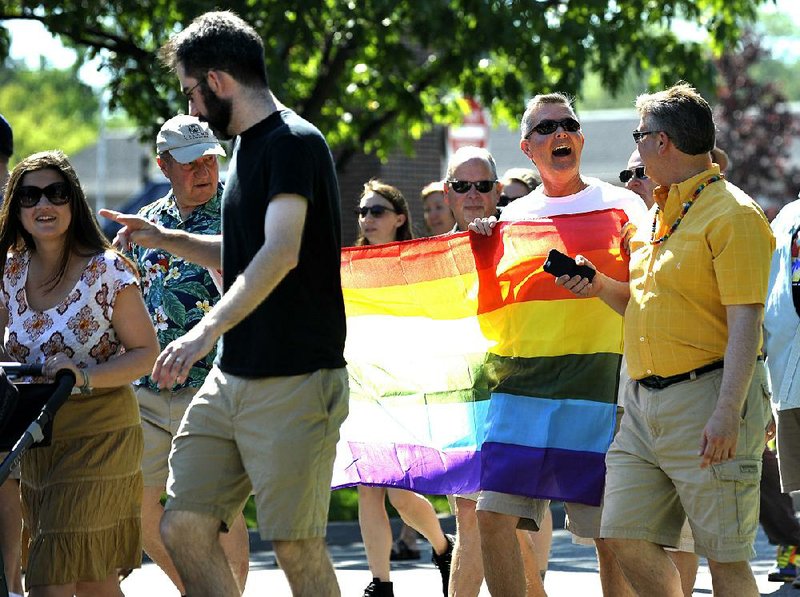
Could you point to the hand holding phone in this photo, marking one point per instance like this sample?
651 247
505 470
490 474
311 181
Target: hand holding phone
559 265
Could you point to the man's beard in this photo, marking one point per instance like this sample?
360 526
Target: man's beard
218 113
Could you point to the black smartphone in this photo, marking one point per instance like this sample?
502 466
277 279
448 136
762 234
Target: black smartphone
559 264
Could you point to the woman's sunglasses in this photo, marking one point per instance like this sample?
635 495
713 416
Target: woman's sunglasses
376 211
548 127
637 172
57 193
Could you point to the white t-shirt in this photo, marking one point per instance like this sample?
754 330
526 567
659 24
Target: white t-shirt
598 195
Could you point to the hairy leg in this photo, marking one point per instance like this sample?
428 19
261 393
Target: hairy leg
732 579
307 567
236 545
192 540
152 511
686 563
647 567
612 579
543 540
534 586
502 560
466 570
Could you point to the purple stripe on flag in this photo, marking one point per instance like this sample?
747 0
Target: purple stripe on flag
553 473
419 468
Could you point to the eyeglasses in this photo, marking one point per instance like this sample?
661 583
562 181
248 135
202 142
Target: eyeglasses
190 92
57 193
548 127
637 172
463 186
639 135
376 211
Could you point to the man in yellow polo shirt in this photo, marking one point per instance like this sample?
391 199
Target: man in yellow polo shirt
696 405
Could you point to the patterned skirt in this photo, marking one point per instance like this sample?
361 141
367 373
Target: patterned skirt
82 495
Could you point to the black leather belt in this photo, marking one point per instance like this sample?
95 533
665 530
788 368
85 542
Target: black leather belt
656 382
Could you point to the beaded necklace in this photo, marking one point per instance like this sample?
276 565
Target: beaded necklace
686 206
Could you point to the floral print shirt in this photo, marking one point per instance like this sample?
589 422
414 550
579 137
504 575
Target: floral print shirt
178 293
79 326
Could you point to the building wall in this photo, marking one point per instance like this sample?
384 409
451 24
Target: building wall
408 173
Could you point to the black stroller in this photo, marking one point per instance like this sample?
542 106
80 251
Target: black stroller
26 418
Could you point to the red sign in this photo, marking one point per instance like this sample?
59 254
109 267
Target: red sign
474 129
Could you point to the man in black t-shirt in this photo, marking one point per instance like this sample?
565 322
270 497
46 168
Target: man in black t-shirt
268 416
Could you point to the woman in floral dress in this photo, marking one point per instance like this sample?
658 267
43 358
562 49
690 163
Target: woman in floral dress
69 301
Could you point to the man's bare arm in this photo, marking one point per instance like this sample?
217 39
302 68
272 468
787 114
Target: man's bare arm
614 293
283 227
203 249
718 442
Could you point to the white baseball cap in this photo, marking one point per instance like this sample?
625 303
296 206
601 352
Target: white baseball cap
187 138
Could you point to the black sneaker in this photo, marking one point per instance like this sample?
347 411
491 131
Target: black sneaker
442 562
378 588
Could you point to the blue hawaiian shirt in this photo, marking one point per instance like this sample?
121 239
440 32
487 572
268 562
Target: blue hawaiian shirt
178 293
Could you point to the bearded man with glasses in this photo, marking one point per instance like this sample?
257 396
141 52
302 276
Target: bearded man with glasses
551 137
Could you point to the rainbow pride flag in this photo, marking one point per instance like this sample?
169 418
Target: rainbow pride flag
470 369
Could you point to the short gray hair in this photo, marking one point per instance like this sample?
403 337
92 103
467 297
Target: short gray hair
537 101
683 114
467 153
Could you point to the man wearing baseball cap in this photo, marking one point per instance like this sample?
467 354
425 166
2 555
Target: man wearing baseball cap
177 294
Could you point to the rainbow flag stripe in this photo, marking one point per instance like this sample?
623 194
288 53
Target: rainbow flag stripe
470 369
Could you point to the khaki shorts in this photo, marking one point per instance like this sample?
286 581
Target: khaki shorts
788 439
530 511
162 413
276 436
654 480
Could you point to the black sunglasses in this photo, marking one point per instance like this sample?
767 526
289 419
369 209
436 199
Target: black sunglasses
57 193
548 127
637 172
463 186
375 210
639 135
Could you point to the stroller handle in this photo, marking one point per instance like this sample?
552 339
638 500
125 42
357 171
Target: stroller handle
21 369
65 380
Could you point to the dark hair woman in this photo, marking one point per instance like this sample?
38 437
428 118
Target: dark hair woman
382 215
69 301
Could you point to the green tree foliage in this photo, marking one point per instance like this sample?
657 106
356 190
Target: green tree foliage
48 109
373 74
755 124
781 65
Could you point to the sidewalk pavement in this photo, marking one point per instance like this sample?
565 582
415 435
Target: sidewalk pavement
573 569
